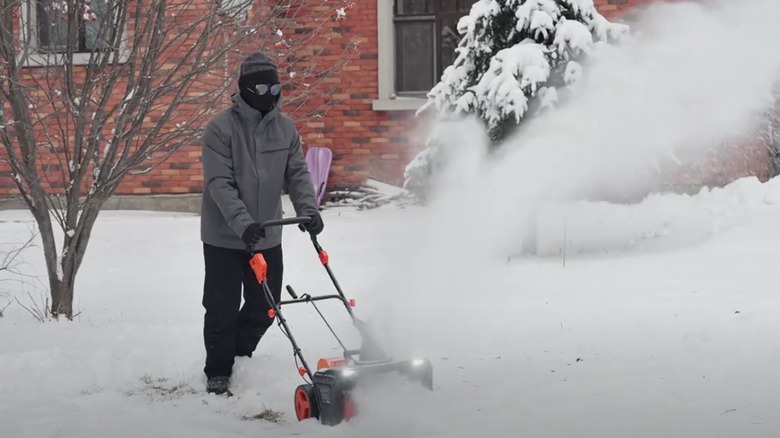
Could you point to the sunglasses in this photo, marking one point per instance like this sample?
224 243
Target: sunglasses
261 89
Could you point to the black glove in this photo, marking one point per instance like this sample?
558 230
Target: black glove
253 234
315 226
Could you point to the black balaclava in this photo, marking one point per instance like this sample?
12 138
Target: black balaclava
256 70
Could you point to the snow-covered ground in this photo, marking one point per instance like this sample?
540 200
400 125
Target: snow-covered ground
660 321
657 319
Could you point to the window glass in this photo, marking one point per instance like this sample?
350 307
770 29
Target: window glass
415 65
95 37
426 39
456 5
52 24
448 39
414 7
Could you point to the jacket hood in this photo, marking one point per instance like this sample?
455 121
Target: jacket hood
257 62
252 64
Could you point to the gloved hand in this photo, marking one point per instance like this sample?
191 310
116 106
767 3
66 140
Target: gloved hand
253 234
315 226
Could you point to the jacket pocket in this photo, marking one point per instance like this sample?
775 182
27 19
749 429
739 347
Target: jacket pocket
271 162
272 145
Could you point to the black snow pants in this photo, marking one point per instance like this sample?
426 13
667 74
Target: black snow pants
229 329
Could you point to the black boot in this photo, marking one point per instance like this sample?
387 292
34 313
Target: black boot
218 385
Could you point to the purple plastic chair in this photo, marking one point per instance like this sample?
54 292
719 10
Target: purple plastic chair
318 160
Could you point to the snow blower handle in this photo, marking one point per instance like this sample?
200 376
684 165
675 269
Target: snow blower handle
299 220
257 261
325 260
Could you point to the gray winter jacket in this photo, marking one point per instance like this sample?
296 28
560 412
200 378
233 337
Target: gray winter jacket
247 161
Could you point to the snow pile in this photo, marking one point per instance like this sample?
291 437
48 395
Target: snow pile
372 194
659 222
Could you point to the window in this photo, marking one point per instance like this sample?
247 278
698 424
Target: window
425 40
51 26
46 35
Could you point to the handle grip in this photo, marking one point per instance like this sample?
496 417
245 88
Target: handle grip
292 292
298 220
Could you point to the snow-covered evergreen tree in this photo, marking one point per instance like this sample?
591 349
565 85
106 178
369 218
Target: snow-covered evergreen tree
516 58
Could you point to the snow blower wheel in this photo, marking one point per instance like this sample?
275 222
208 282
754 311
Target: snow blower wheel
326 394
306 402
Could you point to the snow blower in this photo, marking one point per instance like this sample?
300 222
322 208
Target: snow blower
326 394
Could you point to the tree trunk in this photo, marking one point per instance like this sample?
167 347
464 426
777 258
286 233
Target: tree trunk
61 281
62 298
63 265
62 269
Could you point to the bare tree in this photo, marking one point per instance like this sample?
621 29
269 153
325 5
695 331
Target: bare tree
94 90
10 268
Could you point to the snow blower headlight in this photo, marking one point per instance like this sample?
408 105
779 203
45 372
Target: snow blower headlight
418 362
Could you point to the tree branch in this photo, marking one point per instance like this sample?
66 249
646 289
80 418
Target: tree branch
133 105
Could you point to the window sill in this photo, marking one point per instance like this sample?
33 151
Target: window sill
52 59
398 104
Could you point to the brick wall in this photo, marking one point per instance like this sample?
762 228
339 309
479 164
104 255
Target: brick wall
745 156
320 51
182 172
613 8
380 143
53 116
339 86
365 142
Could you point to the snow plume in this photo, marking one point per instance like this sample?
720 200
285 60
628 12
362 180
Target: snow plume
692 75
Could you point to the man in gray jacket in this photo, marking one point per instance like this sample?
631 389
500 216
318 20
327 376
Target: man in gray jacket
251 152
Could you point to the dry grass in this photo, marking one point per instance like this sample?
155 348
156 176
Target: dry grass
266 415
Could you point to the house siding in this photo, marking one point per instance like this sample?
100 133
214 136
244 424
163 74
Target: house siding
378 144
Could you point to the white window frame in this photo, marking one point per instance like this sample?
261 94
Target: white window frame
38 59
388 100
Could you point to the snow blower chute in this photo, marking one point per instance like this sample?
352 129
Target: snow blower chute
326 394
